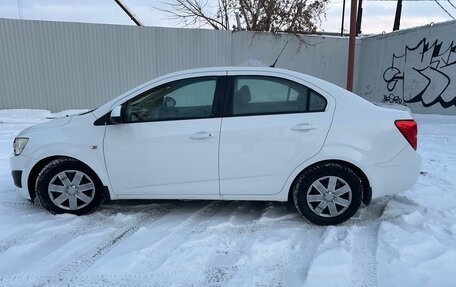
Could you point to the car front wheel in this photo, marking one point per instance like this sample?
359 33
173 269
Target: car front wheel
328 193
68 186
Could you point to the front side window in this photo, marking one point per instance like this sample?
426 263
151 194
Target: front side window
182 99
255 95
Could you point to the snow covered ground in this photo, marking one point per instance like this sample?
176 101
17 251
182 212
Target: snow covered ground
405 240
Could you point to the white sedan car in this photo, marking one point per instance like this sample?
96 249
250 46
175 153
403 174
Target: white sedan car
223 134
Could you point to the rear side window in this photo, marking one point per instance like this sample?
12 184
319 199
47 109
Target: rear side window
256 95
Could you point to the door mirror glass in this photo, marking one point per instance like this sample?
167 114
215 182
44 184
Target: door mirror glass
169 102
116 115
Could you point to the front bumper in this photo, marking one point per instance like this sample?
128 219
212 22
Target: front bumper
17 177
21 166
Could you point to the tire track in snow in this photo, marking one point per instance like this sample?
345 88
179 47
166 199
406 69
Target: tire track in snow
96 221
277 267
263 226
85 260
364 265
312 242
159 252
370 215
24 280
136 280
20 204
268 275
218 276
271 275
364 243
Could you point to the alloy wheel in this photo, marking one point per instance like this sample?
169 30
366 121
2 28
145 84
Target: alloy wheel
329 196
71 190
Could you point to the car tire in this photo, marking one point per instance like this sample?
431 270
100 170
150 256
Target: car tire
66 185
328 193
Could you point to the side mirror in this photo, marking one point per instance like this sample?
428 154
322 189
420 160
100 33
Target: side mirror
169 102
116 115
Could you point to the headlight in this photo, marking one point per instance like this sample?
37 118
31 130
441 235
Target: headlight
19 145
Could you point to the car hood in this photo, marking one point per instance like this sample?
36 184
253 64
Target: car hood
46 125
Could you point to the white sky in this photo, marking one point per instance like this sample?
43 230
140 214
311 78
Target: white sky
378 16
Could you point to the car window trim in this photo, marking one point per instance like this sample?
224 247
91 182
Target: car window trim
216 111
229 98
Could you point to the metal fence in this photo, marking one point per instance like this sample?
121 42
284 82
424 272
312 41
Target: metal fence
56 66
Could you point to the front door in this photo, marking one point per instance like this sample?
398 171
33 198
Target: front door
168 143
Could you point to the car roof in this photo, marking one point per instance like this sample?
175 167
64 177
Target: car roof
249 70
239 69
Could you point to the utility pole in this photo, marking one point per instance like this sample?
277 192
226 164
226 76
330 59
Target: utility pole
127 11
351 46
397 17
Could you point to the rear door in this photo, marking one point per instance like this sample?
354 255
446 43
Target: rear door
272 125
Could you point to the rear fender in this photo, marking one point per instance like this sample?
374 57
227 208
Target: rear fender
346 154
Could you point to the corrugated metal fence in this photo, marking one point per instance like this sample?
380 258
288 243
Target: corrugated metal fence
56 66
67 65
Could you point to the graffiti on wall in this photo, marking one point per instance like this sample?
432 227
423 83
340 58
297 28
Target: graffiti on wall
424 73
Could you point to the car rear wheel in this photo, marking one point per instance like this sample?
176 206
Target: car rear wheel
68 186
328 193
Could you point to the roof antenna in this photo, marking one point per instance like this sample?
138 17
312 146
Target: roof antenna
273 65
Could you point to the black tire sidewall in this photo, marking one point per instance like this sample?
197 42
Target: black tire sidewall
309 176
53 168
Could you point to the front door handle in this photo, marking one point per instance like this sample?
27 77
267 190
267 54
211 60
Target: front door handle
201 135
303 127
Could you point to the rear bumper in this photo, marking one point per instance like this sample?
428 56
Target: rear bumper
396 175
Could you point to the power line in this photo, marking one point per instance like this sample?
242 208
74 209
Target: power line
451 4
444 9
128 12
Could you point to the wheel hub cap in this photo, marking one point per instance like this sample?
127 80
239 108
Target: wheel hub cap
71 190
329 196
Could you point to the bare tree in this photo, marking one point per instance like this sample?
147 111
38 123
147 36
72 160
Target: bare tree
292 16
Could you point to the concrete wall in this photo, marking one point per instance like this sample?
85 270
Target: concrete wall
415 67
56 66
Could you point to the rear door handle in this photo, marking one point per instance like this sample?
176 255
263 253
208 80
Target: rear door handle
303 127
201 135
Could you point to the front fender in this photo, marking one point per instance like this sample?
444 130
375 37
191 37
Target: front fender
79 139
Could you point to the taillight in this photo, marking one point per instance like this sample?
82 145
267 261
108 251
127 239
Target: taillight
409 130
